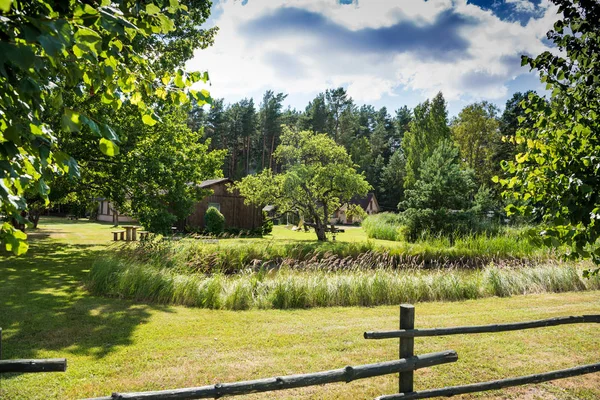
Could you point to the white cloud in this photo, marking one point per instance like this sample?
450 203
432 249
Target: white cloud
302 63
522 5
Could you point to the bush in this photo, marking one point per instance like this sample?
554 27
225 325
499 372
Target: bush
267 226
214 221
157 220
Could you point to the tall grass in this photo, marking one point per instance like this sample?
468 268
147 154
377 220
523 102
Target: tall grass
191 255
384 226
481 248
288 288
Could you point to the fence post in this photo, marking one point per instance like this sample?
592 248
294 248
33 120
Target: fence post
407 345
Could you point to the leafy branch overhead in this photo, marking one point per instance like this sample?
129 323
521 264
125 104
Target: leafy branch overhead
111 51
557 176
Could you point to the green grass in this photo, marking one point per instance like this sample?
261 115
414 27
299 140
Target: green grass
121 345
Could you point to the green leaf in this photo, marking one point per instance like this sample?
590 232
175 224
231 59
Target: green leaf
92 124
151 9
5 5
109 148
70 121
109 133
136 98
148 120
179 82
51 45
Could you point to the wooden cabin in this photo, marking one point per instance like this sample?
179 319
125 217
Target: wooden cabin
231 205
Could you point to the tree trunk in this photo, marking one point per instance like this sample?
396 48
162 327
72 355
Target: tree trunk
320 231
34 217
248 156
264 147
272 150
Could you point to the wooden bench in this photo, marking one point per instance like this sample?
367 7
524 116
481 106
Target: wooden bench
72 217
116 233
143 235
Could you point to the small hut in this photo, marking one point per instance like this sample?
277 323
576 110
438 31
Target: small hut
231 205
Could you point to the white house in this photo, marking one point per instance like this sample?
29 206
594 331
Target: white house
107 212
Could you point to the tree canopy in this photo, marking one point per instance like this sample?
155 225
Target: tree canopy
113 52
557 176
317 177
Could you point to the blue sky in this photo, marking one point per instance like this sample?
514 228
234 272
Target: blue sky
384 52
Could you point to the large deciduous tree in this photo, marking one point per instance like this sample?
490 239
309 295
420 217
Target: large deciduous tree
427 129
103 50
558 174
475 130
318 176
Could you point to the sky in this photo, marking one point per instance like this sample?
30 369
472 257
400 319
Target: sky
383 52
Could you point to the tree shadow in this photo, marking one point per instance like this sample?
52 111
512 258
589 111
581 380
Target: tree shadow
45 307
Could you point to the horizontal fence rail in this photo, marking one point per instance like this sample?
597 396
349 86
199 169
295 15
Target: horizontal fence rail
492 385
460 330
346 374
46 365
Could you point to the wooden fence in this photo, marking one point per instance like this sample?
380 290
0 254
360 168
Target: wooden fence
405 366
346 374
31 365
407 333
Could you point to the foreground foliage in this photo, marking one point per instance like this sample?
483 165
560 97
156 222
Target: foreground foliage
101 51
556 177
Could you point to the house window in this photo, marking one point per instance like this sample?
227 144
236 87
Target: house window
215 205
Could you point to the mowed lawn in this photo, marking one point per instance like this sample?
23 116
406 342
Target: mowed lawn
119 345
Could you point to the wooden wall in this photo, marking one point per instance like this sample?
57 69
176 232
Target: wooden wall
236 213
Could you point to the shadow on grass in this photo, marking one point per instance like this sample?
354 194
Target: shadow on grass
44 306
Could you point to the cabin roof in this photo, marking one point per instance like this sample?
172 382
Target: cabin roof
211 182
362 201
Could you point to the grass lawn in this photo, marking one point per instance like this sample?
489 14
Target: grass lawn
119 345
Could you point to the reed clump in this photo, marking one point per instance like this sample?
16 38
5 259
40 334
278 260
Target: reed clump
288 287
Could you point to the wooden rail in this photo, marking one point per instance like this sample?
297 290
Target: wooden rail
346 374
45 365
31 365
407 333
461 330
492 385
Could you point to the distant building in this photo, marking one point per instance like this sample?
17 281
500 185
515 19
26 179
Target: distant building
108 213
231 205
368 203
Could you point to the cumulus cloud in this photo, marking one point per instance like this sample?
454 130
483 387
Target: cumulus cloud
522 5
373 48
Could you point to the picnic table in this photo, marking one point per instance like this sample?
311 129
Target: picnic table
130 232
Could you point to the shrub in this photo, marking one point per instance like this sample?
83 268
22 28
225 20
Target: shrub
214 221
157 220
267 226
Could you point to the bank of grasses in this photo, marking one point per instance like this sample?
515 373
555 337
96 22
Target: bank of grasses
287 288
233 256
390 226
